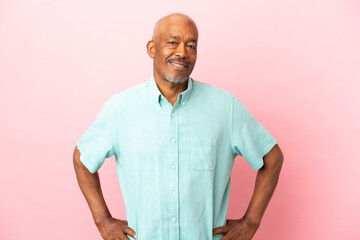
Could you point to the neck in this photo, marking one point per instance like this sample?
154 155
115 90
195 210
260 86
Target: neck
170 90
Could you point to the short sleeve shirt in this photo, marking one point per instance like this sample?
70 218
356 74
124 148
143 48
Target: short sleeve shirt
174 162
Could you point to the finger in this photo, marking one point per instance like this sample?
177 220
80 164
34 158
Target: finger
219 230
130 232
227 237
122 236
115 238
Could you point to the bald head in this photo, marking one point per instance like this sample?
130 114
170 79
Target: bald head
174 18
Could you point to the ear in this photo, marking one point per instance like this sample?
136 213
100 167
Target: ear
150 47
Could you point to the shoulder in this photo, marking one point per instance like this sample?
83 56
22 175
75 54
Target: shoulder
206 90
127 95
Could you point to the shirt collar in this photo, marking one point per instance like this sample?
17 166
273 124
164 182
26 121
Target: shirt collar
156 94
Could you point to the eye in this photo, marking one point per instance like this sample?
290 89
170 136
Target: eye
192 47
172 43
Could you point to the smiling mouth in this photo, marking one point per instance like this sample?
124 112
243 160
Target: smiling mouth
179 65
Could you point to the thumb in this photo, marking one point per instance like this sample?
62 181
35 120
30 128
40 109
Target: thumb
219 230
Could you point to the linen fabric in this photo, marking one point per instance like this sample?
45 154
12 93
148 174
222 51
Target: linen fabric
174 162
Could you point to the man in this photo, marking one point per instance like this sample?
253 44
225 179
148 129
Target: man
175 140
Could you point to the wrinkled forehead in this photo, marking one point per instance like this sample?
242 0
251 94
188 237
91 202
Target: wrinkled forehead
180 30
179 27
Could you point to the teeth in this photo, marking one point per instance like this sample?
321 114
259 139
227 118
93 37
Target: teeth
177 64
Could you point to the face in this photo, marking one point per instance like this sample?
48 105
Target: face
174 51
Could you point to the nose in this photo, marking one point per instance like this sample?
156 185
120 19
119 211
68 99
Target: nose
181 51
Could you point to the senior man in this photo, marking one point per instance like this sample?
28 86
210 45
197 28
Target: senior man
175 140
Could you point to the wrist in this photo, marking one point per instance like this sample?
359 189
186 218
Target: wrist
252 220
101 216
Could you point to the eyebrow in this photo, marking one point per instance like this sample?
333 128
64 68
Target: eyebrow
174 37
178 38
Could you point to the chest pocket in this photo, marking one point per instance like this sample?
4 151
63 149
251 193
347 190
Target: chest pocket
203 154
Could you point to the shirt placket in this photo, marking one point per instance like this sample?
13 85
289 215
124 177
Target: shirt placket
174 175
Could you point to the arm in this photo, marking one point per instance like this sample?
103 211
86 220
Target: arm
265 184
90 186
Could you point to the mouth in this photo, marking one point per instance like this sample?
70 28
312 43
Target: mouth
178 65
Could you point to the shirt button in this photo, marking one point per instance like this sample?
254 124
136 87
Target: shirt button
174 219
173 114
162 97
173 140
183 103
174 193
173 167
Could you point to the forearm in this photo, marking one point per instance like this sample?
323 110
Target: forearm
265 184
90 187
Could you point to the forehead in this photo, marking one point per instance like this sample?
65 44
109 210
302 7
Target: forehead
181 30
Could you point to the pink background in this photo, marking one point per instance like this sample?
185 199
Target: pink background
294 64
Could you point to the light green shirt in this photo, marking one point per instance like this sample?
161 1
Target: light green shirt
174 162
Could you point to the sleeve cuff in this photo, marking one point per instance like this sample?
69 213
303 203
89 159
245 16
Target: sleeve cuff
83 158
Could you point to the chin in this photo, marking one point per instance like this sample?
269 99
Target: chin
176 79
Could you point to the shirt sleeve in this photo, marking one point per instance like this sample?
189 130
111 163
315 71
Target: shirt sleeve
248 137
98 141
